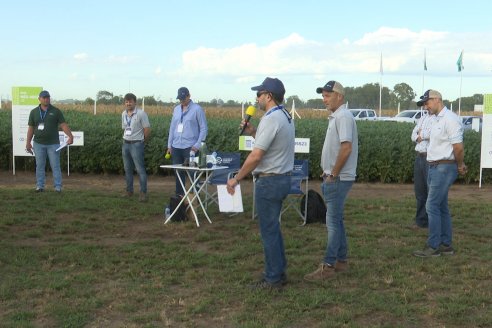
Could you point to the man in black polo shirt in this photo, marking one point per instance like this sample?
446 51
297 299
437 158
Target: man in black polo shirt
44 121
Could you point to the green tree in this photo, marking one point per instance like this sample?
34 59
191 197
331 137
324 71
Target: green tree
403 94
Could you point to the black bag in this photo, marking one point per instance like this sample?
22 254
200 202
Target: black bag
180 214
316 208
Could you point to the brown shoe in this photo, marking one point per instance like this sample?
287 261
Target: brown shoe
127 194
143 197
324 272
341 266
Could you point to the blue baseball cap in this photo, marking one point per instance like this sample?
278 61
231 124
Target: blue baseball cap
44 94
183 92
272 85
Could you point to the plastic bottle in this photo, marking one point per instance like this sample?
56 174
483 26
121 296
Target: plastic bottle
192 158
167 212
202 161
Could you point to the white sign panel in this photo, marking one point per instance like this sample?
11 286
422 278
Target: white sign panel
301 144
486 151
24 99
78 138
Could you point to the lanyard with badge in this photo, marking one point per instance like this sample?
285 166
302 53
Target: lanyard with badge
180 126
128 129
42 115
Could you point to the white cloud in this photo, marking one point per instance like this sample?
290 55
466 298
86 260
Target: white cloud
158 71
402 49
81 57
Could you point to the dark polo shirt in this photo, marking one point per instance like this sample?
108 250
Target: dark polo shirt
52 120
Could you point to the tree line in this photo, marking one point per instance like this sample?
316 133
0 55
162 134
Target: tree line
366 96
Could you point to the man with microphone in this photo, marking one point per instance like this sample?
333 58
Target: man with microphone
271 163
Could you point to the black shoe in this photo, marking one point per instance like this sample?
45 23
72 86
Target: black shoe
446 250
39 189
265 285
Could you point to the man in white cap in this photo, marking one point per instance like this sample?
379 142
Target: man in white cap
445 155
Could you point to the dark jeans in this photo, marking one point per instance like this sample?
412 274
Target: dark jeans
179 156
270 193
420 173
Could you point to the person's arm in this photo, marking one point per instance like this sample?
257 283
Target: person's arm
66 129
30 134
343 155
415 134
202 125
146 134
249 165
459 155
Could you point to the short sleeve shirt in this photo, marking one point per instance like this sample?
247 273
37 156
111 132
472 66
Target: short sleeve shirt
51 119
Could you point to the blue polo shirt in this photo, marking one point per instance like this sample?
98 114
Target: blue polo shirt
194 127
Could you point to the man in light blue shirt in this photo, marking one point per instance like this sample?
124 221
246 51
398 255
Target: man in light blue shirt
188 129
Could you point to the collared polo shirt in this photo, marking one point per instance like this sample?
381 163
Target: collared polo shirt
446 131
52 120
137 122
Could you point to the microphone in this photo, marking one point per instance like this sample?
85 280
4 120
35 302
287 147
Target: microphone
250 111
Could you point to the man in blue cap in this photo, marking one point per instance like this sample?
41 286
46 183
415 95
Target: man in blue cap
188 129
271 163
44 122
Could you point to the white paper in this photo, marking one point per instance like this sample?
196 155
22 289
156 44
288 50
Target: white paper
228 202
63 145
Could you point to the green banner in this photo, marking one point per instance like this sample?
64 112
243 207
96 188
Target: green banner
487 104
25 95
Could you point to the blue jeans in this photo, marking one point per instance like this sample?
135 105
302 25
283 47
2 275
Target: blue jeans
335 192
179 156
269 194
133 157
441 177
41 152
420 173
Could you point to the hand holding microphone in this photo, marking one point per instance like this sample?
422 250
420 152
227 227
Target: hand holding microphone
250 111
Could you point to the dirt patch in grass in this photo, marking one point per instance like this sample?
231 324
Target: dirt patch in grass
115 183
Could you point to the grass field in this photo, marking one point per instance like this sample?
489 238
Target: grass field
88 258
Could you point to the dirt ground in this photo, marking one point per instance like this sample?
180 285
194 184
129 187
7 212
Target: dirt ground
166 184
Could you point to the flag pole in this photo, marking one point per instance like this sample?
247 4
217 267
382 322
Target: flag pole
459 100
380 82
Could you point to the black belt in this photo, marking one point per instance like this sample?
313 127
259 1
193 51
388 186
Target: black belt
132 141
444 161
262 175
421 154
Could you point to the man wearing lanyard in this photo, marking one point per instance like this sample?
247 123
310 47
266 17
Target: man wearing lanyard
44 121
271 162
339 164
445 155
421 136
188 129
136 127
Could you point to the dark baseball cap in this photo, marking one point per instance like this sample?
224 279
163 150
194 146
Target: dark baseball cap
429 94
272 85
183 92
44 94
332 86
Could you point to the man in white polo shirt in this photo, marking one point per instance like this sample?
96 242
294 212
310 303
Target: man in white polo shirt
445 155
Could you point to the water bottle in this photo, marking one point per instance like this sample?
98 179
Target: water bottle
202 161
167 212
192 158
214 159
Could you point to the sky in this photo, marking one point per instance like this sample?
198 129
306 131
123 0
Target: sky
220 49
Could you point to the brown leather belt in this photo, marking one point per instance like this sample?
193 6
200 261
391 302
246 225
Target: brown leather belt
421 154
444 161
132 141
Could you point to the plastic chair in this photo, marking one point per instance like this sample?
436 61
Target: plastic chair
299 187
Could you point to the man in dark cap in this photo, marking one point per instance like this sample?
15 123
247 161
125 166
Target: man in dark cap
188 129
44 122
271 163
339 164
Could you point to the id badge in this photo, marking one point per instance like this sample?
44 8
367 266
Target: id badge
41 126
128 131
180 128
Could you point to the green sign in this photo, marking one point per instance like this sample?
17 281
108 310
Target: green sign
25 95
487 104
